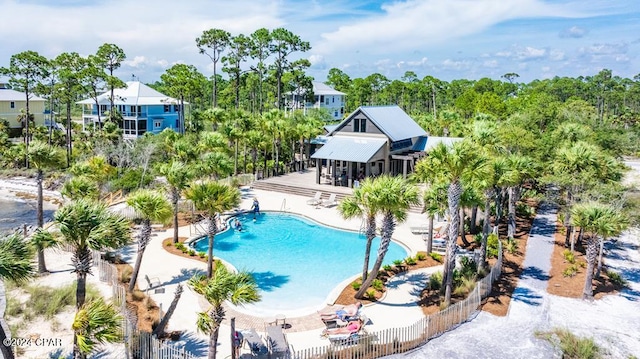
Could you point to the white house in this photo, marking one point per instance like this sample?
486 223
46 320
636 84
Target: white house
324 97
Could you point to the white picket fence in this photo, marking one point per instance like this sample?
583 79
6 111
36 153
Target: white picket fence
399 340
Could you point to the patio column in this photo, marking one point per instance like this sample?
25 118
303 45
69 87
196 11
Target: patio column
349 176
404 169
318 170
333 172
367 169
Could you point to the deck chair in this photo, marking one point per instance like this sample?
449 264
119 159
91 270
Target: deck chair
315 200
152 282
277 342
348 338
331 201
254 342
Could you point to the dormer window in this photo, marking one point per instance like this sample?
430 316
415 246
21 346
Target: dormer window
359 125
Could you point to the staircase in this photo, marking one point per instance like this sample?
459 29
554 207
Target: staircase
297 190
301 190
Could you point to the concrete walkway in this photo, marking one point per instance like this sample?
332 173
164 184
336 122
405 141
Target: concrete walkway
397 309
488 336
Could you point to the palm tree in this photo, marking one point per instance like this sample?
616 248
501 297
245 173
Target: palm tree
434 199
178 175
41 240
598 220
42 156
159 330
86 226
79 187
363 203
212 198
95 323
520 169
462 161
238 288
392 196
15 265
151 207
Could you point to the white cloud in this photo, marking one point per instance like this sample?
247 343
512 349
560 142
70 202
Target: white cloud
556 55
136 62
531 53
455 64
422 62
490 63
574 32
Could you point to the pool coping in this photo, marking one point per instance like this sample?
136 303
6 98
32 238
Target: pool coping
333 294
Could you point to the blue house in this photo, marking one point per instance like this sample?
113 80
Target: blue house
143 110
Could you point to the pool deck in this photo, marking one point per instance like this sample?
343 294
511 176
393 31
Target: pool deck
303 330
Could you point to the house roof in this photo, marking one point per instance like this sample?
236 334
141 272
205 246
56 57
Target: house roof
136 93
352 149
13 95
391 120
426 143
320 88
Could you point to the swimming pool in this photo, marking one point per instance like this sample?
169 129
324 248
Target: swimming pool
295 261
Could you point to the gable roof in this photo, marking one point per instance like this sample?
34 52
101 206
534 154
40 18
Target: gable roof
391 120
13 95
136 93
351 149
320 88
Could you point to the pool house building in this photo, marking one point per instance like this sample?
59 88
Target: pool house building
143 109
371 141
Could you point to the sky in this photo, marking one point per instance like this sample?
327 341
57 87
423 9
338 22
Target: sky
447 39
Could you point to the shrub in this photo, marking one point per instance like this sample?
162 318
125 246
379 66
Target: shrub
436 256
387 267
492 246
469 268
421 256
477 238
569 256
180 246
356 285
130 180
125 275
410 261
570 271
192 252
202 254
377 284
397 262
435 281
571 345
149 303
616 278
371 294
511 245
184 249
137 295
523 210
169 244
464 286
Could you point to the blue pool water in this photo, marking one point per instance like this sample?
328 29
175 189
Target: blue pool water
296 262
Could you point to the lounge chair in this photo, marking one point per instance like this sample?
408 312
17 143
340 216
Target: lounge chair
351 337
331 201
277 342
152 282
254 342
315 200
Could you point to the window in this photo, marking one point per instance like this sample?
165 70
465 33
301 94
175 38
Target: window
103 108
176 108
167 108
321 98
360 125
13 104
335 114
157 123
327 100
333 99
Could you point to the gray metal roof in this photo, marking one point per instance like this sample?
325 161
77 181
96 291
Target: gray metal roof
13 95
391 120
135 93
352 149
320 88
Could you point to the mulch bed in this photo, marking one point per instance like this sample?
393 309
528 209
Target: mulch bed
347 296
572 287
